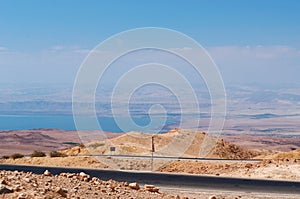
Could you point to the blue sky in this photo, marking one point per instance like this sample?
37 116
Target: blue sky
40 40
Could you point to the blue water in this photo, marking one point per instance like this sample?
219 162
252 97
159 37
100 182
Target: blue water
64 122
15 122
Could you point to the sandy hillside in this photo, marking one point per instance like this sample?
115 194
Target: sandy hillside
294 154
264 142
177 143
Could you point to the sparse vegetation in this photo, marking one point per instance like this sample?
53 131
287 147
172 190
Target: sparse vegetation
56 154
81 145
71 143
5 157
38 154
96 145
16 156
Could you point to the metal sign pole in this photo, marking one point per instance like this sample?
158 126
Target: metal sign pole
152 151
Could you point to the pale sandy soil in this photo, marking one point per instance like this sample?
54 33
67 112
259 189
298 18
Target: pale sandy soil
175 143
295 154
58 161
280 170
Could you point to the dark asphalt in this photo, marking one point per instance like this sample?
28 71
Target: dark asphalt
174 180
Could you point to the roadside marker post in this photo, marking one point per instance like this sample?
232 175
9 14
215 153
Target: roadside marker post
152 151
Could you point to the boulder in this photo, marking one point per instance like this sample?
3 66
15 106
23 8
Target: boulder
5 190
134 185
47 173
151 188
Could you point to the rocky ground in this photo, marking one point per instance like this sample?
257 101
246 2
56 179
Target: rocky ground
21 185
277 165
66 185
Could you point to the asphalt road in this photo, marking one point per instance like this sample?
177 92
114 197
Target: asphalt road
174 180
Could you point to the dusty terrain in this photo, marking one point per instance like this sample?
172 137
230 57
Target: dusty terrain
54 139
27 185
21 185
269 169
277 165
263 142
40 139
175 143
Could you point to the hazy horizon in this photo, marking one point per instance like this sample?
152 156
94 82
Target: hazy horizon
255 46
251 42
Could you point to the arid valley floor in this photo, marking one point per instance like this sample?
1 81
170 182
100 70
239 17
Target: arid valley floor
275 162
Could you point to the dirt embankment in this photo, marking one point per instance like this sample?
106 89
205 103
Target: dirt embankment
288 169
176 143
295 154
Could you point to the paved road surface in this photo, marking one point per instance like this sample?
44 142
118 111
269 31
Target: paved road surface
174 180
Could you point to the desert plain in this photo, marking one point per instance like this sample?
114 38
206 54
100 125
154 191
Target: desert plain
229 156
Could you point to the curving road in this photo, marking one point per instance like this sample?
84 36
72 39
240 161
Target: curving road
174 180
